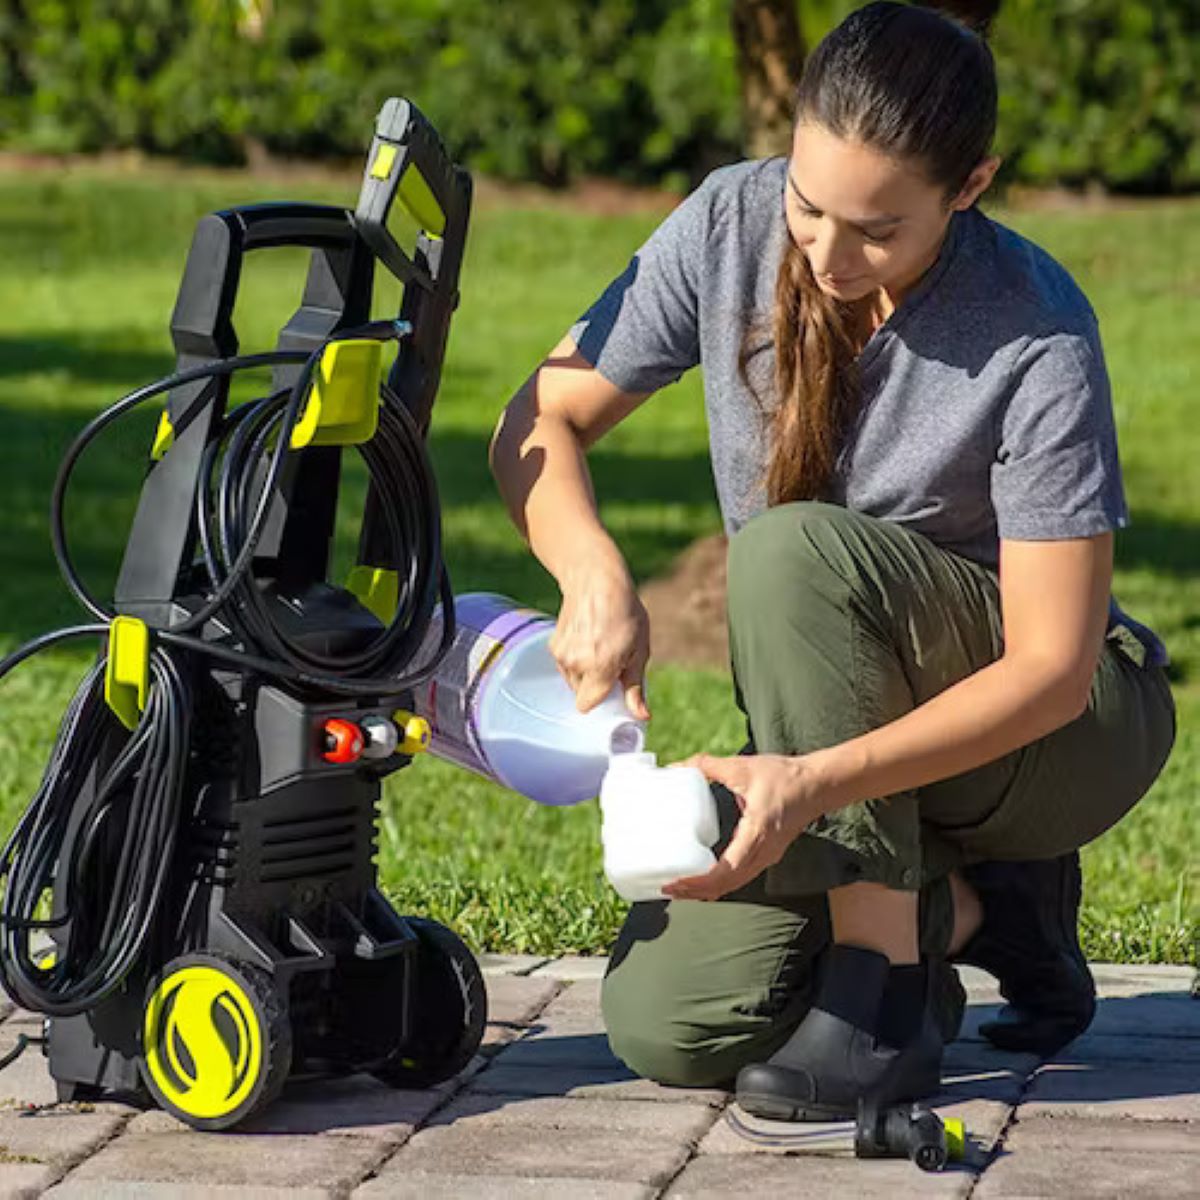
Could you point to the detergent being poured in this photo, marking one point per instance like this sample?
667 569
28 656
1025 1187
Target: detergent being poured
499 706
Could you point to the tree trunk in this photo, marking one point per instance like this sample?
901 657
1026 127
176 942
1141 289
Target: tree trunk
770 54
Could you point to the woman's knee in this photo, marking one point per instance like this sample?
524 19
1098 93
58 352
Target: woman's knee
659 1043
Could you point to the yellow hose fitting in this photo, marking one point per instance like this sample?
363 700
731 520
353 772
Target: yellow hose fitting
415 732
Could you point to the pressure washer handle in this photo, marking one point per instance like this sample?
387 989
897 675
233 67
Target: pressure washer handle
409 168
409 172
912 1132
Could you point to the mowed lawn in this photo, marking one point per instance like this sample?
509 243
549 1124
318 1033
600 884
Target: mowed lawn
91 259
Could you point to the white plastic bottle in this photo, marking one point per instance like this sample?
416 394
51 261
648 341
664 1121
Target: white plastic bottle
659 824
499 706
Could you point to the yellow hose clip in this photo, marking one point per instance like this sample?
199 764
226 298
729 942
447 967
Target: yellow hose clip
376 589
415 732
343 405
127 673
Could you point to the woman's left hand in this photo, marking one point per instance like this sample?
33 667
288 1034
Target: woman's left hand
779 796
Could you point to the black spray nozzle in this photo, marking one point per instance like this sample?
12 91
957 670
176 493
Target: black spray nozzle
906 1132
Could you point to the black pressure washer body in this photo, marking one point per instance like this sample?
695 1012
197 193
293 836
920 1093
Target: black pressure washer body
208 824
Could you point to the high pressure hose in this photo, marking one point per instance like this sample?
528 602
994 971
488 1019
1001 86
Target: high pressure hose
123 845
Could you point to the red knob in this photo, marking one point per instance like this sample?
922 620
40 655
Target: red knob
343 741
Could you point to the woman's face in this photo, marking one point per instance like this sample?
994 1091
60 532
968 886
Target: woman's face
864 220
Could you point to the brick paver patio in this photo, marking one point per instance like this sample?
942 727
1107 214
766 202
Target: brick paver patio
546 1111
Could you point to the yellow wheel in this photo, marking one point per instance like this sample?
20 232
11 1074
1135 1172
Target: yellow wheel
216 1043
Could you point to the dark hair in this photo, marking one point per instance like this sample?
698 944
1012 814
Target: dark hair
915 85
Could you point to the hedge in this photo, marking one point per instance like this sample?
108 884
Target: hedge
1093 91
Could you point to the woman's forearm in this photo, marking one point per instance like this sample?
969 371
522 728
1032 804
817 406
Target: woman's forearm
1000 708
541 472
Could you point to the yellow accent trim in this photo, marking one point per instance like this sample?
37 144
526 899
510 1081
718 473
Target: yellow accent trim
385 160
181 1014
127 674
415 732
164 437
44 962
343 406
377 589
956 1138
417 196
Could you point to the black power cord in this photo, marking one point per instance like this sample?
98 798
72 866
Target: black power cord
123 846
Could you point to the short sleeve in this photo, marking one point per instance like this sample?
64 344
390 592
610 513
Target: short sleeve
1057 473
644 331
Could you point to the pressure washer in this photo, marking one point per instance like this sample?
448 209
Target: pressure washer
200 851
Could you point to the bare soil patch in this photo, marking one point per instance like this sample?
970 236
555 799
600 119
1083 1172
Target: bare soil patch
687 608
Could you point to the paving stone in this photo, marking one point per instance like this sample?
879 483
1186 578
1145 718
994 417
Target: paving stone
964 1057
574 967
27 1080
1005 1087
585 1082
556 1050
510 964
420 1185
576 997
71 1189
796 1175
1157 1014
978 982
1101 1048
24 1018
1152 1091
553 1138
1149 977
574 1012
59 1137
19 1180
514 1002
358 1106
1061 1156
156 1149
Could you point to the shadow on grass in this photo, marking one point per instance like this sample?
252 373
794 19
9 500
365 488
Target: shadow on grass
92 360
1165 545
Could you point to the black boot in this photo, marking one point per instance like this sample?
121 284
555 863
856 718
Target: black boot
1029 940
834 1058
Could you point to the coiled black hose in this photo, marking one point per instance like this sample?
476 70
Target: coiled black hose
123 846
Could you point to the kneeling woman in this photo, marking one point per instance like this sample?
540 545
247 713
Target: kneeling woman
913 444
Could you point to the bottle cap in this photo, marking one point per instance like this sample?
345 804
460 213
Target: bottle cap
633 758
626 738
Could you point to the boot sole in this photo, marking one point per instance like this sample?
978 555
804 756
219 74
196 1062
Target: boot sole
780 1108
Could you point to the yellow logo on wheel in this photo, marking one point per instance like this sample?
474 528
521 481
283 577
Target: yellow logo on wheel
203 1041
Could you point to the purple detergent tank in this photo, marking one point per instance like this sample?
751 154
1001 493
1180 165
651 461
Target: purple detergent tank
499 706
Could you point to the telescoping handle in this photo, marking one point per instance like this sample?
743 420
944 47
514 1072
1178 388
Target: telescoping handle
409 169
410 175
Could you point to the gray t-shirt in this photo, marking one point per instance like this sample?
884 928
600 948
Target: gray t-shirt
985 411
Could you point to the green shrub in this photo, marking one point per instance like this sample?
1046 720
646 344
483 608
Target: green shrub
1092 91
1101 92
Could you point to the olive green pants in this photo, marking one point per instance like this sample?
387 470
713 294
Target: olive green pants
838 624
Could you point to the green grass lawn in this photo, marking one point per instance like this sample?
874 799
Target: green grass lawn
91 260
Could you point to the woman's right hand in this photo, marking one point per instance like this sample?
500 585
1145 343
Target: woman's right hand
602 637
